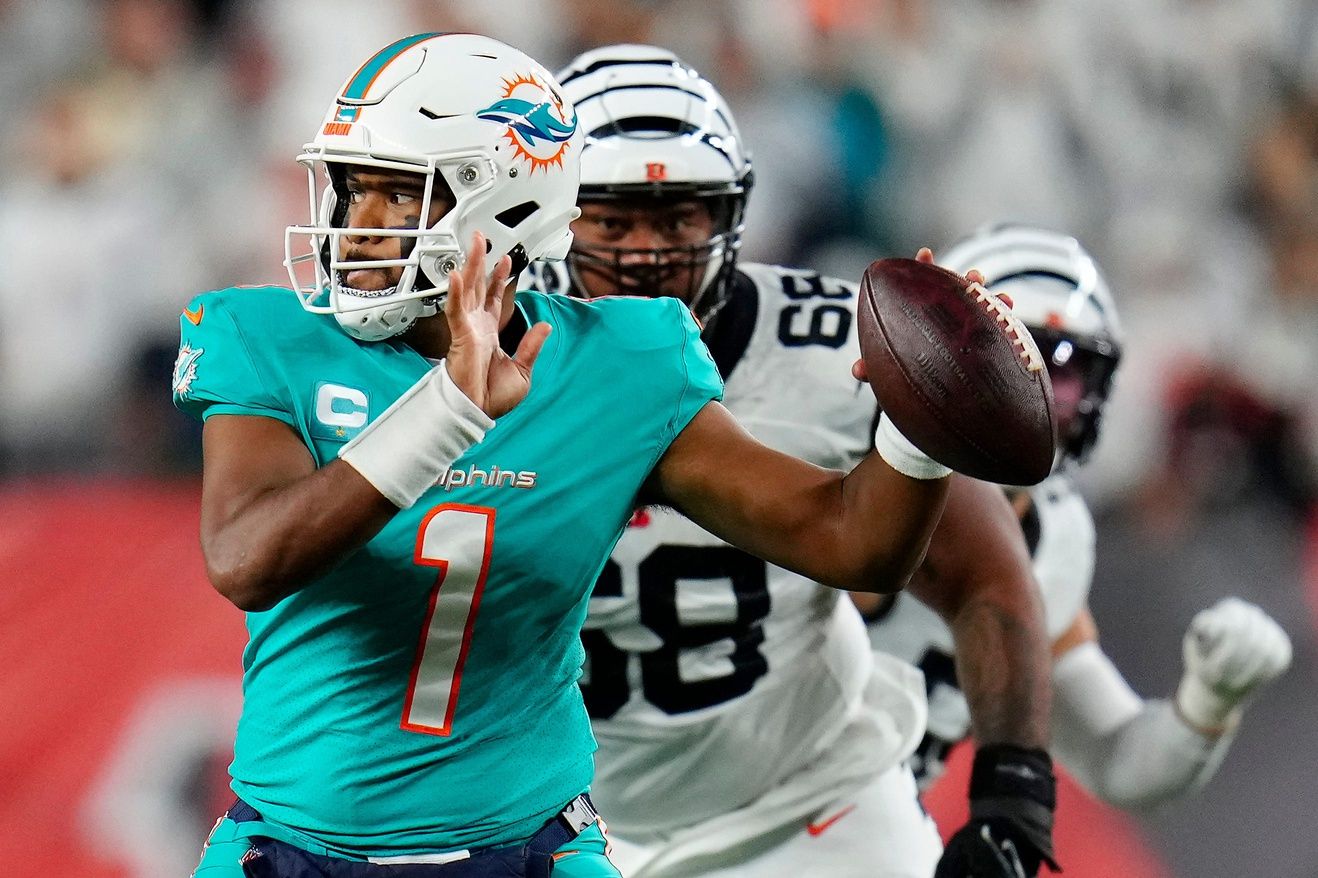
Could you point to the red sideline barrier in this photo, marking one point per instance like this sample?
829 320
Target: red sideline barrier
106 606
120 679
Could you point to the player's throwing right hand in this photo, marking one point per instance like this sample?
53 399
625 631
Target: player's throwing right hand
478 366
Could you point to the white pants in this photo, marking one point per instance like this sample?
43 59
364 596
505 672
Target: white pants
880 831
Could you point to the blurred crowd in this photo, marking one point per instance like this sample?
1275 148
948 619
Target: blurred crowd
151 146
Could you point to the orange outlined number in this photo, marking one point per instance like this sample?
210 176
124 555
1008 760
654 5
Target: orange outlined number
457 539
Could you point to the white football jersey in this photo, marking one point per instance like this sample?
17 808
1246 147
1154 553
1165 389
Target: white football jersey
713 679
1060 532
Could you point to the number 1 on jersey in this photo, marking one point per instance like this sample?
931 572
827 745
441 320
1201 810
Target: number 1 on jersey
457 539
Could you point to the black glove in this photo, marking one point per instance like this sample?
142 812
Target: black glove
1010 833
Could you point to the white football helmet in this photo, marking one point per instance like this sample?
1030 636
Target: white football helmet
1058 292
655 128
472 116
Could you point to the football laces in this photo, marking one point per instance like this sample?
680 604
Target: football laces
1020 337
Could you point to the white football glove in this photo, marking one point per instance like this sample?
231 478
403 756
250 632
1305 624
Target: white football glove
1230 649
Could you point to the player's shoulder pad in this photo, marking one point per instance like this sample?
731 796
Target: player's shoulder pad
804 312
1065 553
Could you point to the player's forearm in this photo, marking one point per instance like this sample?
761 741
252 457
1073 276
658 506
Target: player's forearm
978 578
280 540
862 531
886 521
291 522
1132 753
1003 670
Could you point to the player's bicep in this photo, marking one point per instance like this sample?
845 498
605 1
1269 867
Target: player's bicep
758 499
245 457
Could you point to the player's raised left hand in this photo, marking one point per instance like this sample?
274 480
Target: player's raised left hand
1230 650
478 366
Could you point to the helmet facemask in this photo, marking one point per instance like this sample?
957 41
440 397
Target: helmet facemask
707 266
657 133
427 253
1081 371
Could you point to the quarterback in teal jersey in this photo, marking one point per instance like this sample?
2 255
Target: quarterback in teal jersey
413 525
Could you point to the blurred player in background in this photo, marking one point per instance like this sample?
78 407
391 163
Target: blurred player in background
385 491
1131 752
744 728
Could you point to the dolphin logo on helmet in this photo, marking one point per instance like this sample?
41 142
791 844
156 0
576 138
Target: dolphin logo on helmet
532 121
539 129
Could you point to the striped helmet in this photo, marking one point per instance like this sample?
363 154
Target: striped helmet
1058 292
485 127
657 129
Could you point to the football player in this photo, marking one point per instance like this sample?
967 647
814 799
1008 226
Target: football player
1131 752
744 728
386 493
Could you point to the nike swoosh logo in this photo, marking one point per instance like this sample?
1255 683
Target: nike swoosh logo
817 829
564 854
194 317
1023 771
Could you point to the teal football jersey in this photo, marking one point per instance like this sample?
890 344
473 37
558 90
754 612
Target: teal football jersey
423 696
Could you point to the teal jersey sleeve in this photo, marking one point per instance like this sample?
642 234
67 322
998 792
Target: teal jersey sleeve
701 380
217 371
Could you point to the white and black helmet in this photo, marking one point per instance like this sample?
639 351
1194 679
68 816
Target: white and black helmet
485 126
1058 292
655 127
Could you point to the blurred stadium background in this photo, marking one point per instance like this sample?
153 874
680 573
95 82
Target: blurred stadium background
148 152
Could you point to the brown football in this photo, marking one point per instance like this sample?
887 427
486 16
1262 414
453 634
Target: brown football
956 372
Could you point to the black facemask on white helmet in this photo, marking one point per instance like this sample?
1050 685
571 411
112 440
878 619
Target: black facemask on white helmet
484 127
655 129
1058 292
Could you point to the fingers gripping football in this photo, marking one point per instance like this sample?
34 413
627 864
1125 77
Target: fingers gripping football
925 255
955 371
1230 649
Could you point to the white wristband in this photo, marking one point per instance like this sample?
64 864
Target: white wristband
902 455
404 452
